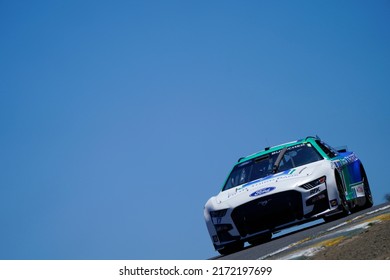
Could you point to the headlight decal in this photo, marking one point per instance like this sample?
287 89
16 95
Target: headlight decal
314 183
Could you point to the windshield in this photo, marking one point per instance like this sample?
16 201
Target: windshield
263 166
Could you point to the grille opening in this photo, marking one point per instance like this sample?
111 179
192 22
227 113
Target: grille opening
268 212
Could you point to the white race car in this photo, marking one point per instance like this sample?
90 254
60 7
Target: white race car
283 186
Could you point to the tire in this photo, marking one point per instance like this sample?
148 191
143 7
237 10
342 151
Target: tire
367 190
344 203
344 206
231 248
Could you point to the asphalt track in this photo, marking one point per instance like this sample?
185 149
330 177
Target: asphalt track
280 247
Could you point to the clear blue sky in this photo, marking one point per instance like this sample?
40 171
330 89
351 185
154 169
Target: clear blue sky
119 119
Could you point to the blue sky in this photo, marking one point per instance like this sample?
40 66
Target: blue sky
119 119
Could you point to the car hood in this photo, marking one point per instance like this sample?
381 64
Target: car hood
272 183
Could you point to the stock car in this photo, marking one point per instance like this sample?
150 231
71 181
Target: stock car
282 186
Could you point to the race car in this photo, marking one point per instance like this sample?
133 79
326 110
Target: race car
282 186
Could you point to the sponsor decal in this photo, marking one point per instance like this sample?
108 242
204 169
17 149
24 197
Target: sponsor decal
290 148
339 163
359 190
262 191
282 175
333 202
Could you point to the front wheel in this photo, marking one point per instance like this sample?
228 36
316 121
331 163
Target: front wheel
344 203
344 206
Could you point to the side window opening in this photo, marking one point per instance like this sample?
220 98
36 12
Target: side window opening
329 151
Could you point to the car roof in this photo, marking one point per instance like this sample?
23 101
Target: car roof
267 150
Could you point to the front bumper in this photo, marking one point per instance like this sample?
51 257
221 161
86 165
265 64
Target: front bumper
269 214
